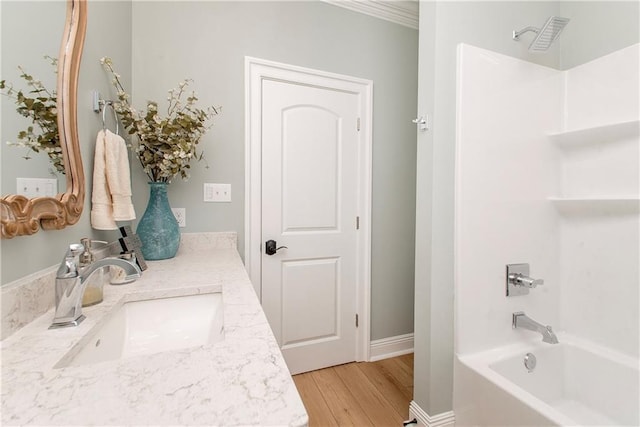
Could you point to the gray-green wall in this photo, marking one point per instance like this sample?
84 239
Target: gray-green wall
207 41
108 32
596 28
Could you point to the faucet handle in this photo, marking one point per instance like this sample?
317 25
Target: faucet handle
75 249
69 266
522 280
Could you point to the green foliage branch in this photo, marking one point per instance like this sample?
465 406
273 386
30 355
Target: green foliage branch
165 144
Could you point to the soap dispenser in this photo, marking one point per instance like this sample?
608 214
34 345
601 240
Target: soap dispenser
93 292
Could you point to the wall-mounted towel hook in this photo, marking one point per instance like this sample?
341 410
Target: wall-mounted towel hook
97 101
101 105
422 122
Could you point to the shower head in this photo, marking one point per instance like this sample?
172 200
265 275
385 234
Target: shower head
546 35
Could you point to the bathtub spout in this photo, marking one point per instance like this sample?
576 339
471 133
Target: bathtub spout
521 320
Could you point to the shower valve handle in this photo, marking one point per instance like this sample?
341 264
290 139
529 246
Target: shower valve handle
522 280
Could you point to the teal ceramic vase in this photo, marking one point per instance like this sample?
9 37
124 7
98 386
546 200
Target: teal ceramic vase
158 229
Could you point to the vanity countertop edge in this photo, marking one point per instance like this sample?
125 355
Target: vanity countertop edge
241 380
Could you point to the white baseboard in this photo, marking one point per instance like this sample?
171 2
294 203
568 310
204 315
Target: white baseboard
390 347
445 419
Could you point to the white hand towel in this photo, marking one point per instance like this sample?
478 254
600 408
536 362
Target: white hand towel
118 177
111 196
101 208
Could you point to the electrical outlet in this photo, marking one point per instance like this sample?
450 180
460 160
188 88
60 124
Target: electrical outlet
181 216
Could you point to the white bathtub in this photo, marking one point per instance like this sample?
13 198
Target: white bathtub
574 383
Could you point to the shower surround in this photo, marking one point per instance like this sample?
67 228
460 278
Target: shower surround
547 174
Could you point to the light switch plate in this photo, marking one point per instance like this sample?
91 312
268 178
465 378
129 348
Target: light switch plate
217 192
37 187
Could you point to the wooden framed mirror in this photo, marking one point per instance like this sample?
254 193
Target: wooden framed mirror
22 216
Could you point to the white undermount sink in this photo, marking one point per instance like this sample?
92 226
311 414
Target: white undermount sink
152 326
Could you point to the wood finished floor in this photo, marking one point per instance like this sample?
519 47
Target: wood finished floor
359 394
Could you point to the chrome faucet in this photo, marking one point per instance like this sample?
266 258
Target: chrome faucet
521 320
71 282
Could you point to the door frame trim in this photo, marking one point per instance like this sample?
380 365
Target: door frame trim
257 70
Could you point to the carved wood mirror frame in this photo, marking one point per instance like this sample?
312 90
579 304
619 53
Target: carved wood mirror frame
21 216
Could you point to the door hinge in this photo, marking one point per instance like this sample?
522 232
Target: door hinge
358 124
357 223
356 320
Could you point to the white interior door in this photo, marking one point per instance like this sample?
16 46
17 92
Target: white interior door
309 204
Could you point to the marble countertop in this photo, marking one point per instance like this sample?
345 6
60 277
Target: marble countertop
241 380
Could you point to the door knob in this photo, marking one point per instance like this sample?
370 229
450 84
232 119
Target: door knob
270 247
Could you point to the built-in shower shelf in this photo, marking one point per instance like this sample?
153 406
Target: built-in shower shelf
605 133
613 204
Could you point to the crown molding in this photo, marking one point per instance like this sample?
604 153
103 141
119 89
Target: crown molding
401 12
